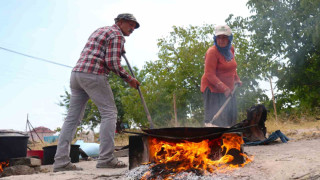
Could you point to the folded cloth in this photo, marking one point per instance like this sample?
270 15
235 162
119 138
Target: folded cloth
274 136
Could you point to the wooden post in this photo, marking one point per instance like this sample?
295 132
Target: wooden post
273 100
32 129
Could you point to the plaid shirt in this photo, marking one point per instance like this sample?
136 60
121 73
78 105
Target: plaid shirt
102 53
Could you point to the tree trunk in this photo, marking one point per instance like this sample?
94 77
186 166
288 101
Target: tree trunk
175 111
273 100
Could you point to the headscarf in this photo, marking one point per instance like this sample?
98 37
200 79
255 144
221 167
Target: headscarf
225 51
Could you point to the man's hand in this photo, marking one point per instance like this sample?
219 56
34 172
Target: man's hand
134 83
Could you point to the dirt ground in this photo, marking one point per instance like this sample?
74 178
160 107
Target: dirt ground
297 159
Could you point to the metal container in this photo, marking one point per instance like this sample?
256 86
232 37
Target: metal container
188 132
13 144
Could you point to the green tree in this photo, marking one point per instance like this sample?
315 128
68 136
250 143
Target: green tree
179 70
252 67
178 73
287 33
91 116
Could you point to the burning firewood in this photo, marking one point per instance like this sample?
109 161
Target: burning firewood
3 164
170 157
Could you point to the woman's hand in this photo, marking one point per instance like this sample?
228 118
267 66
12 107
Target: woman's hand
227 92
239 83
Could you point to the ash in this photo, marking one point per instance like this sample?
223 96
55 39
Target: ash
138 172
193 176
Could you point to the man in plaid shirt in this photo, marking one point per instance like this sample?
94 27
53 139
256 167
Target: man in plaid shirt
101 54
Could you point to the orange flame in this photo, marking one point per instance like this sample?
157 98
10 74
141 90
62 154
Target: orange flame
196 156
3 164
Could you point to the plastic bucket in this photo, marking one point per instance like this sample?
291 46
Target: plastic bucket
36 153
50 151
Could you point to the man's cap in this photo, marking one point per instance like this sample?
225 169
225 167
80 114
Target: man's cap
127 16
222 30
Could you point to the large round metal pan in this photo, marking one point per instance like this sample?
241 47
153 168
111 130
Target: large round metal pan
186 132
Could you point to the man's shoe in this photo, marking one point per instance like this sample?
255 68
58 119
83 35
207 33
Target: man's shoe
68 167
115 163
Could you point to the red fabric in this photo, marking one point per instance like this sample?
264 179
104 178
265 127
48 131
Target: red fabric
102 53
219 74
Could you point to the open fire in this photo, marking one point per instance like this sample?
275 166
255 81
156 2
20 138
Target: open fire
3 164
169 157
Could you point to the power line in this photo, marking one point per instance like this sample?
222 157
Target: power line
33 57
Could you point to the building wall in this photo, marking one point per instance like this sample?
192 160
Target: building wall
41 135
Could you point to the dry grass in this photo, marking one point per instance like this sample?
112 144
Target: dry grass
295 128
304 127
120 140
39 145
123 138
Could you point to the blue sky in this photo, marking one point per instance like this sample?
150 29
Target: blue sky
57 30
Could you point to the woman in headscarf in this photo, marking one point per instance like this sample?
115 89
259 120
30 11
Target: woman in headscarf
219 79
